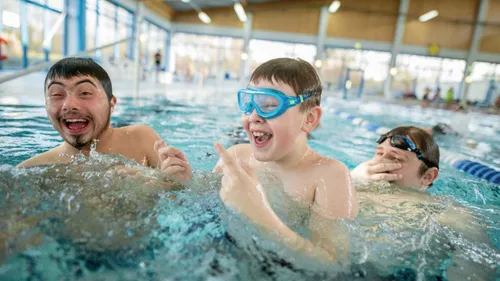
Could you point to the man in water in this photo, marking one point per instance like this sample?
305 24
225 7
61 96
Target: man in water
79 101
409 220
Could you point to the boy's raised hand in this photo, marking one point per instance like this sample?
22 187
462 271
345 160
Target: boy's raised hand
376 170
242 191
173 161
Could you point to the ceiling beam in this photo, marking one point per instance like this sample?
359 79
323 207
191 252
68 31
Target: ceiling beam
161 8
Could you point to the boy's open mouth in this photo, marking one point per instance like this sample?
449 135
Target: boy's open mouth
261 138
75 125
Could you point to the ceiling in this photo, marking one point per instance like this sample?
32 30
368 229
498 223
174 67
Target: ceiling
180 6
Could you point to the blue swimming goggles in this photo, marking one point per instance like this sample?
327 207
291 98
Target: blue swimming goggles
268 103
404 143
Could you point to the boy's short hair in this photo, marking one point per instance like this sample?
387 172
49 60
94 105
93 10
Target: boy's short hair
71 67
296 73
424 142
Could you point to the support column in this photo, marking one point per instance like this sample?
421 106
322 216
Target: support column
1 30
245 64
471 56
166 51
320 43
116 48
23 16
46 31
396 46
74 27
139 9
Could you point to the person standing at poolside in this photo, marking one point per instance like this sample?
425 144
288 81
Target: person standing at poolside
157 65
79 101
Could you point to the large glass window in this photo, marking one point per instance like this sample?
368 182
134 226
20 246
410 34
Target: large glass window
56 46
90 24
12 33
124 31
106 28
482 76
369 67
55 4
113 23
261 51
416 73
206 56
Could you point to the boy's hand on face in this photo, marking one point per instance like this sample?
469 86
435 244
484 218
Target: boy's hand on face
173 161
377 170
242 192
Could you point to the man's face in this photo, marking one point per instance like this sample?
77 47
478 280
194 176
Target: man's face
78 109
409 161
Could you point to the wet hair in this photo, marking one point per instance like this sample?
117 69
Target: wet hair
296 73
70 67
443 129
424 142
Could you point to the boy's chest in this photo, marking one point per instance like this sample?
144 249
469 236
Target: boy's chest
297 185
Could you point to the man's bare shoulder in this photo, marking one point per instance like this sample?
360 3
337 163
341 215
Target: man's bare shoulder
137 130
48 157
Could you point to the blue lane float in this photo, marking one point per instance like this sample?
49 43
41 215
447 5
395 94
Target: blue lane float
455 160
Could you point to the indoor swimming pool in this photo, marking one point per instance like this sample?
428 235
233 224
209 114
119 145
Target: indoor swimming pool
88 221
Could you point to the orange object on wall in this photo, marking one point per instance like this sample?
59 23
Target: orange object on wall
3 41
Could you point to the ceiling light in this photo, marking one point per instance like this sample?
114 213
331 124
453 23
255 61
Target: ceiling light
204 17
334 6
240 12
393 71
318 63
186 1
244 56
428 16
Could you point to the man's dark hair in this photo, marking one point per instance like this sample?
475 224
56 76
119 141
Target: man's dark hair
71 67
424 142
296 73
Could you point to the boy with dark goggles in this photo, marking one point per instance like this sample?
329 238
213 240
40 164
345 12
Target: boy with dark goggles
404 143
269 103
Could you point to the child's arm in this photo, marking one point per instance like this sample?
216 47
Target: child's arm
242 192
334 198
376 170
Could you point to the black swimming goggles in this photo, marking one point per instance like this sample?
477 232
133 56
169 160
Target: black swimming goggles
404 143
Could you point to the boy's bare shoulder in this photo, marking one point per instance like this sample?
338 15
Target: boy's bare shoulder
48 157
329 167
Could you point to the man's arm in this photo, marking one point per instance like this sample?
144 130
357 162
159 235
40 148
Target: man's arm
49 157
147 137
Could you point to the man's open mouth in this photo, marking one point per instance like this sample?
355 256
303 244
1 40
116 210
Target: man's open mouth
76 125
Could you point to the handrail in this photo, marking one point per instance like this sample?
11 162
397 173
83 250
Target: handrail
53 30
41 66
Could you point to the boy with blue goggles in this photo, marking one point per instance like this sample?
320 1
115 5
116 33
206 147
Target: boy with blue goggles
268 103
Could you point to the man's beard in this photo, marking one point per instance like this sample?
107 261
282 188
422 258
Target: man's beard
79 142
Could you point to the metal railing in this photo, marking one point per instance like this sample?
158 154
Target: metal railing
40 66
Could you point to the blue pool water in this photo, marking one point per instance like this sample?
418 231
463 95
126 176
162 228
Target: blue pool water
87 221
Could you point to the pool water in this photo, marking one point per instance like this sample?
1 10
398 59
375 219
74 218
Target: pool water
94 220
